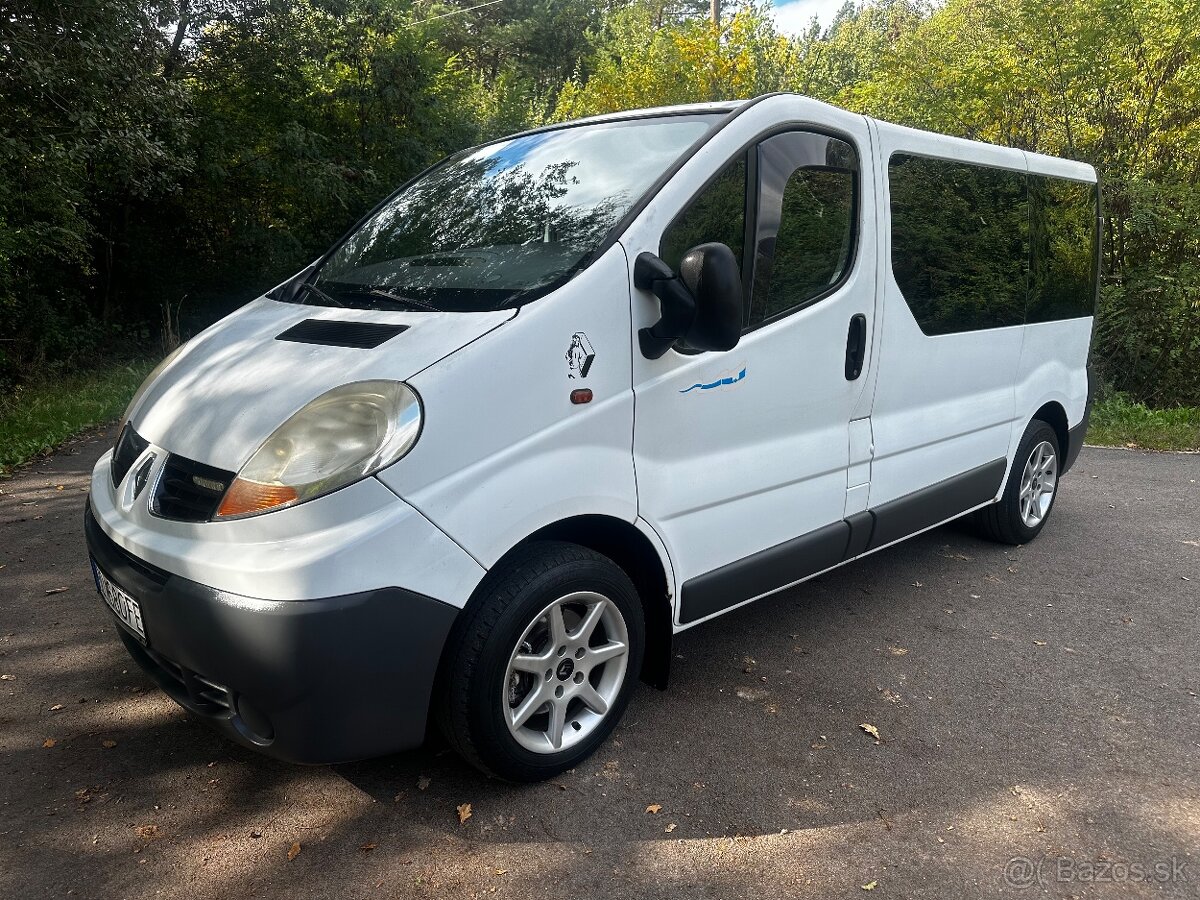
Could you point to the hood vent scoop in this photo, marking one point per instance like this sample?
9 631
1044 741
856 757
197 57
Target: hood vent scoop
339 333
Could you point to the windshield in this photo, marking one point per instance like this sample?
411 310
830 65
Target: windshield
499 225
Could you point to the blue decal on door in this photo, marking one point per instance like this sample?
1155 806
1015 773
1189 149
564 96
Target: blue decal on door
723 381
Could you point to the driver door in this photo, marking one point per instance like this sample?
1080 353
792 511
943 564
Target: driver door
742 456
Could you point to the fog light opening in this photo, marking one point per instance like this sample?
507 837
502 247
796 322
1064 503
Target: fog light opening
252 722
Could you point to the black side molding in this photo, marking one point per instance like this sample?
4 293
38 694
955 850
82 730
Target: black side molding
339 333
764 571
921 509
797 559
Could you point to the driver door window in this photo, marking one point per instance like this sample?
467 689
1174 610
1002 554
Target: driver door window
805 230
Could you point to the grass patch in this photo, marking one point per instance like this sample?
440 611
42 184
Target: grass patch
40 415
1118 421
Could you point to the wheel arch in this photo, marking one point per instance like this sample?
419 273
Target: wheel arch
1054 415
626 545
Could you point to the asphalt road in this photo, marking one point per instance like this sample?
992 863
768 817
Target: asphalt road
1036 704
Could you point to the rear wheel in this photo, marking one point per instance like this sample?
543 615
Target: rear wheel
1029 495
542 663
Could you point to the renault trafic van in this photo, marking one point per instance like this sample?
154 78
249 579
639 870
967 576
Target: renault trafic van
568 393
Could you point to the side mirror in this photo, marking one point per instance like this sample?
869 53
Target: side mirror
702 305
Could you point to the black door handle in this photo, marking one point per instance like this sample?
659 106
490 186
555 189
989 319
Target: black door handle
856 346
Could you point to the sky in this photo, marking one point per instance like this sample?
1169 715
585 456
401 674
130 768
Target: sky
792 17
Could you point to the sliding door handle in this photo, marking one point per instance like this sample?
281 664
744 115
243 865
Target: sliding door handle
856 346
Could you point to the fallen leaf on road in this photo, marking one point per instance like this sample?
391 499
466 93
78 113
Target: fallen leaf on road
8 677
502 871
55 591
422 783
464 813
1040 643
670 828
819 746
870 885
871 730
368 847
1191 543
897 651
56 707
147 831
293 851
48 743
654 808
108 745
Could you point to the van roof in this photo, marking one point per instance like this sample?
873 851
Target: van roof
1037 162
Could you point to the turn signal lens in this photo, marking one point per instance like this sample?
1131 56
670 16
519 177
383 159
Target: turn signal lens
245 498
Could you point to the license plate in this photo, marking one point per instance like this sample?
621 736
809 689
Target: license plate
124 607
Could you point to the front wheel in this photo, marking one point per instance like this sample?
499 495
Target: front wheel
541 666
1029 495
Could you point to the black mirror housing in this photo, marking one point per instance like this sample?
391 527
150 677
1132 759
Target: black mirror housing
701 306
713 277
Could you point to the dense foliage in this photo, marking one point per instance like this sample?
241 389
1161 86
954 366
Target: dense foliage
154 152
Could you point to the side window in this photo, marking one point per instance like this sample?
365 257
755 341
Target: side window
808 211
718 214
960 239
1063 222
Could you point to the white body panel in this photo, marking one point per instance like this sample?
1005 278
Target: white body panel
505 451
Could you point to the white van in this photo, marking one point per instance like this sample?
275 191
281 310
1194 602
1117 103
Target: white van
571 392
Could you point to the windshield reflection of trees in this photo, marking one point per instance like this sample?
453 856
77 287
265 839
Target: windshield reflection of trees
472 225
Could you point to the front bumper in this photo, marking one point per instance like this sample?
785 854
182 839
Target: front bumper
308 681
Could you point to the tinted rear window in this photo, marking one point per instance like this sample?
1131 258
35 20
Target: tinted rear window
960 243
1063 223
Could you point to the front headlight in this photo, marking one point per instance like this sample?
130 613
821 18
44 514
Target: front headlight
342 436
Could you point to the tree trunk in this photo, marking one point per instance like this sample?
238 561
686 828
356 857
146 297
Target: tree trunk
171 65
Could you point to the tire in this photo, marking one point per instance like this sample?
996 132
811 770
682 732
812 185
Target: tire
517 674
1029 496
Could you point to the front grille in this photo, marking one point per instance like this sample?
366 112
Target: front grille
338 333
189 491
130 445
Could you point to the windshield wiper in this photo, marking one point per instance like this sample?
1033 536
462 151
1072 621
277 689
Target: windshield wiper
383 291
306 286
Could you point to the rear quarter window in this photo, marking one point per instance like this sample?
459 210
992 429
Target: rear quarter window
1063 235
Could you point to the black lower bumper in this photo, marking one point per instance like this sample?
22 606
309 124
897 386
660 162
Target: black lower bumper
1077 434
308 681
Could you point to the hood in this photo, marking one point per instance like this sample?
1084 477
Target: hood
235 383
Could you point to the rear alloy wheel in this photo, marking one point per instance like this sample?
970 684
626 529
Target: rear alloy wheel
1029 495
542 662
1038 482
